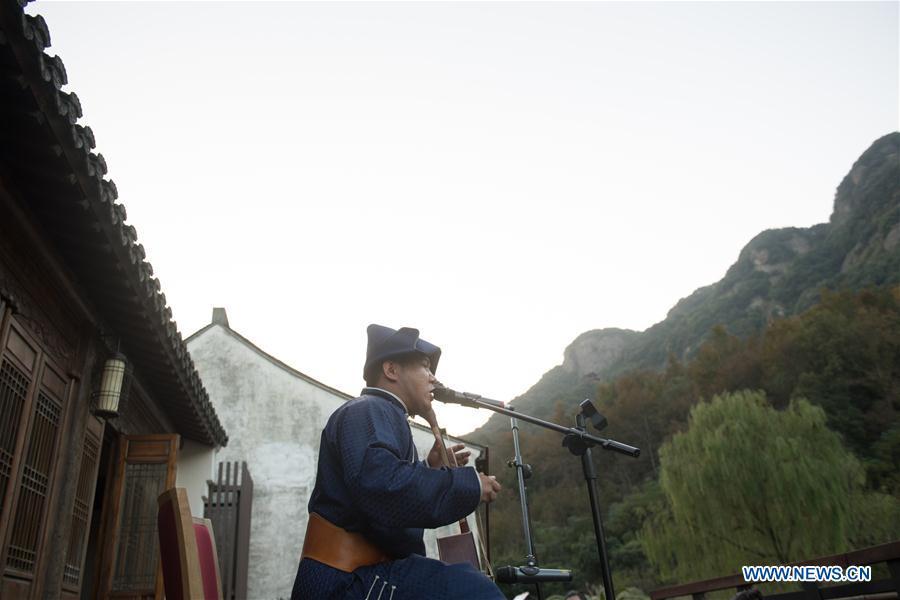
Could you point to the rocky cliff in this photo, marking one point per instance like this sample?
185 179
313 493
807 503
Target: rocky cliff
779 272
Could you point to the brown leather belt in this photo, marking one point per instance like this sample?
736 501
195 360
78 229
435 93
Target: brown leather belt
338 548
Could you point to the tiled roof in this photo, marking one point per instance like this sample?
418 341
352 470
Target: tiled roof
48 157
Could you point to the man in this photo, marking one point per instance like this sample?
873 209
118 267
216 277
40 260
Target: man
373 496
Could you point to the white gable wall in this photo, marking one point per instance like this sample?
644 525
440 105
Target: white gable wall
274 418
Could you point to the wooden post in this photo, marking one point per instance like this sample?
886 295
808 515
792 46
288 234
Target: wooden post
811 590
229 507
242 555
894 568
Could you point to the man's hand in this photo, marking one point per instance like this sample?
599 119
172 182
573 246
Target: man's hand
490 487
459 451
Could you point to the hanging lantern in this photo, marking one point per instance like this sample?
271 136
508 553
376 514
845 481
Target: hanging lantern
114 383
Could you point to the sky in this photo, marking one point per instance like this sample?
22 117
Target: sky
501 176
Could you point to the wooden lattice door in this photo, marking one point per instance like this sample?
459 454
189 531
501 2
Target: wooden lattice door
130 565
34 398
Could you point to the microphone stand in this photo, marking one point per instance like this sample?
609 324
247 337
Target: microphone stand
578 448
523 472
579 442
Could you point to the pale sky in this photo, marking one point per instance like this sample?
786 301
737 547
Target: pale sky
502 176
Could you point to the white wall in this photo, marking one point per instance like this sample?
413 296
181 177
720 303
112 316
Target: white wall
274 419
194 468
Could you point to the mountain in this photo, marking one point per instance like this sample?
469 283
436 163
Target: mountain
780 272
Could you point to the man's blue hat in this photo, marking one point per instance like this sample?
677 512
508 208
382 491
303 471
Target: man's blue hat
386 343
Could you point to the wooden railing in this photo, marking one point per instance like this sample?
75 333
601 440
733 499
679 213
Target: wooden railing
228 506
885 553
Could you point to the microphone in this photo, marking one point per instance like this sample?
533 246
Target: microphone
590 411
529 574
448 396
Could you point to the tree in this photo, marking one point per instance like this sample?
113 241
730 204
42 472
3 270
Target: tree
749 484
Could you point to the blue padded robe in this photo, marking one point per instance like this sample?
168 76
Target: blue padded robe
370 480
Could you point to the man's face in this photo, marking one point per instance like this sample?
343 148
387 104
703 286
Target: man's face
415 382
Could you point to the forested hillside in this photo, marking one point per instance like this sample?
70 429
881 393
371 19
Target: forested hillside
841 358
805 327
